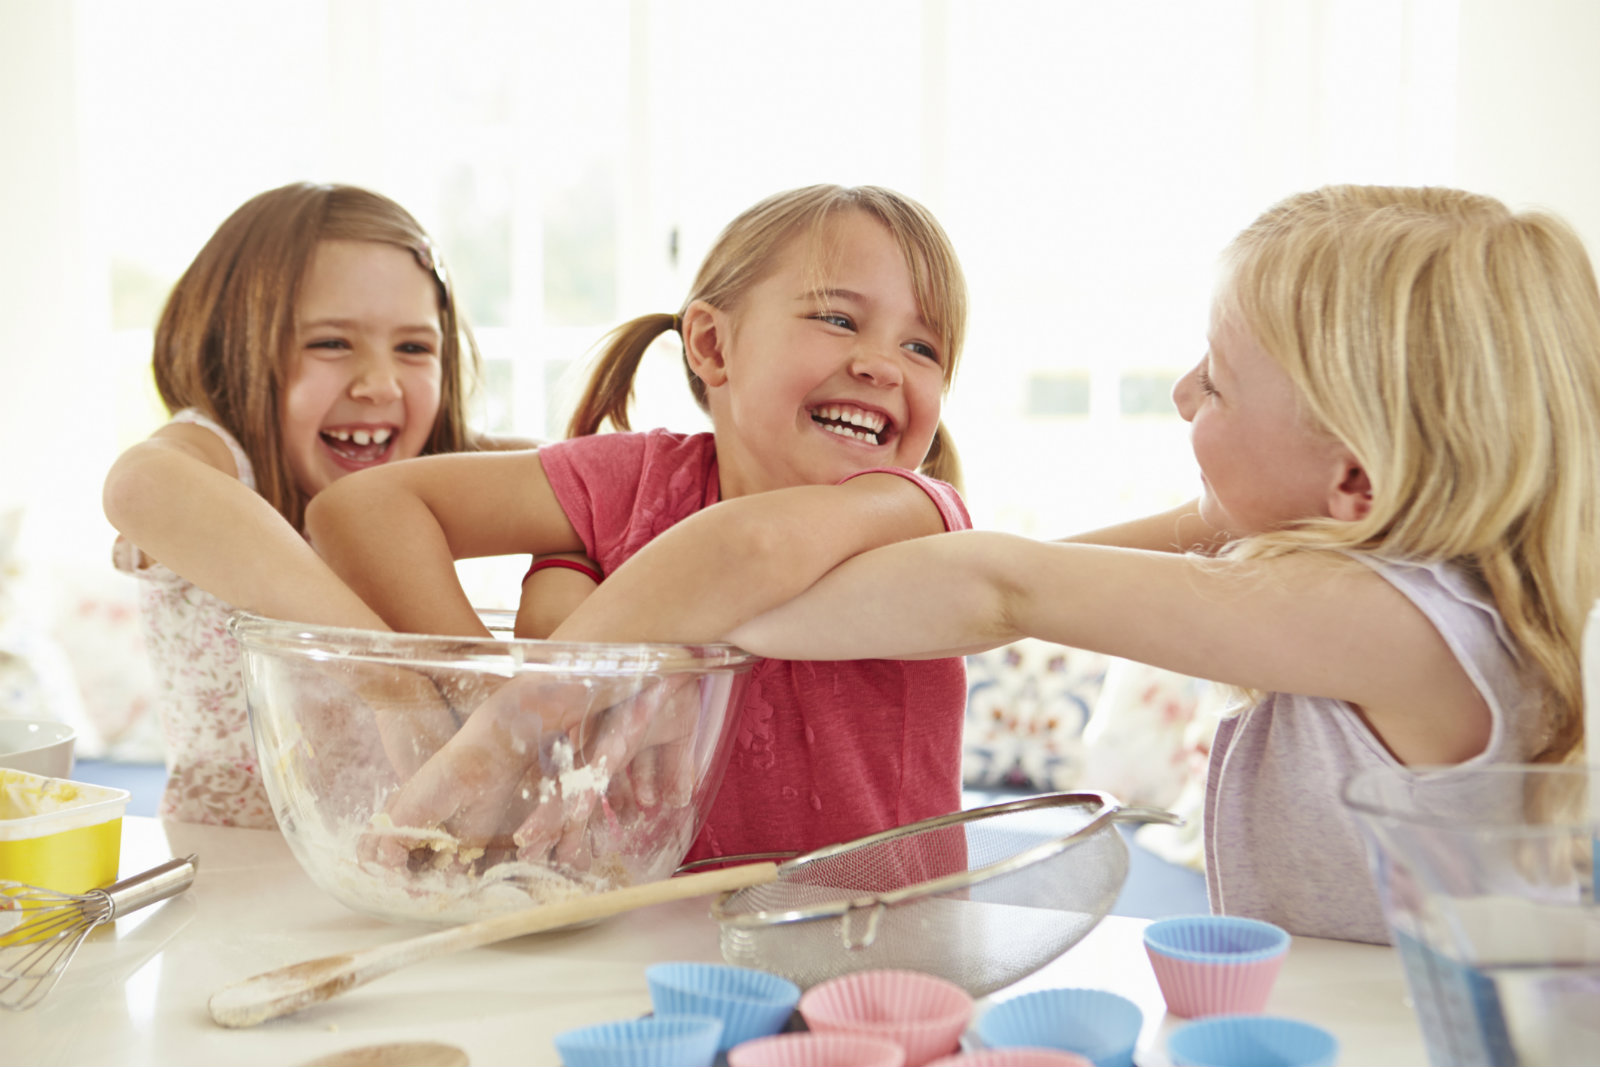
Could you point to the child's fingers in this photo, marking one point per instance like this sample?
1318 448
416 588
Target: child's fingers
674 726
413 719
623 796
677 712
386 845
572 849
676 766
454 802
541 830
619 731
645 775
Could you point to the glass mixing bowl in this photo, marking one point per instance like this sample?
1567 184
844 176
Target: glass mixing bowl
444 779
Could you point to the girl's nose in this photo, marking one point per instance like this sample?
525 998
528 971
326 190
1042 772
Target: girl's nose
376 380
1186 393
871 363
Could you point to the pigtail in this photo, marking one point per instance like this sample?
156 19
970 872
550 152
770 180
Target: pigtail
610 389
943 461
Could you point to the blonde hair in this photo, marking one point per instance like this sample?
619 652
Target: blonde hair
224 341
745 253
1454 347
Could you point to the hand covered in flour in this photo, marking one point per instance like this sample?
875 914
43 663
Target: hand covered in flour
636 761
544 771
462 803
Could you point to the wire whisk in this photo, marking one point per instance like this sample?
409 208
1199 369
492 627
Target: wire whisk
41 929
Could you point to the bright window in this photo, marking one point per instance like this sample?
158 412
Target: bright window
574 162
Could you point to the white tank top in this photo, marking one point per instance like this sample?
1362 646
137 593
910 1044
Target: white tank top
1279 844
212 774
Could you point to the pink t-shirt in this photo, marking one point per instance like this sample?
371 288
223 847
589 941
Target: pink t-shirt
825 752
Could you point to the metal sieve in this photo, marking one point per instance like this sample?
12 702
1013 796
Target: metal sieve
974 897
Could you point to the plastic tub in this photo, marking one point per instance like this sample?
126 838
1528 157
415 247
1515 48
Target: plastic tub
59 834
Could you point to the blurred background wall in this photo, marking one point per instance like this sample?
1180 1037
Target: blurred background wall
574 161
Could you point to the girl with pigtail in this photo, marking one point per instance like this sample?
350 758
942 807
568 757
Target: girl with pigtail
1397 425
820 336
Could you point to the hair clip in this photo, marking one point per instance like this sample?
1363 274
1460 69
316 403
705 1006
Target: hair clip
433 264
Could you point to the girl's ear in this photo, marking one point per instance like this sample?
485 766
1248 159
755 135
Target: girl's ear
1351 497
704 334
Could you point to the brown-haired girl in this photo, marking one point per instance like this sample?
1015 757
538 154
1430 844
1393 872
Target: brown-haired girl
314 335
820 336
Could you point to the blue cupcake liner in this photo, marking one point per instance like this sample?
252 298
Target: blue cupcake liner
1216 939
1101 1026
749 1002
1252 1041
652 1041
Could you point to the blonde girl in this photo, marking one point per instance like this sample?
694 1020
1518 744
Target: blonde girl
1398 428
820 335
315 334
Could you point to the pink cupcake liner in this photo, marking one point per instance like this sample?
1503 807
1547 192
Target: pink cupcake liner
1194 990
1015 1056
837 1049
923 1014
1215 964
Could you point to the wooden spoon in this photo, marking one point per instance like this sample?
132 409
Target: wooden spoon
395 1054
288 989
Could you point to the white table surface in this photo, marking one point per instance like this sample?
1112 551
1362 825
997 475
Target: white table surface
137 992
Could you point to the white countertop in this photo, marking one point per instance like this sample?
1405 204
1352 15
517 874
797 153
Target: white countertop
137 992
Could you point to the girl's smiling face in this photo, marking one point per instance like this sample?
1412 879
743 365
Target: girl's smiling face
825 367
1263 465
364 384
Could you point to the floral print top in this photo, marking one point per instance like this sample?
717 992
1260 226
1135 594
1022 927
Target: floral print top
212 773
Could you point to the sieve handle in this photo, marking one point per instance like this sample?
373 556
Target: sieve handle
1146 815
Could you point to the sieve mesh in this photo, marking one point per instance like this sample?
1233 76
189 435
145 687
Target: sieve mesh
975 897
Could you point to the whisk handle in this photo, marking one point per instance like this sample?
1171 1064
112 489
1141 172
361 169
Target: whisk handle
158 883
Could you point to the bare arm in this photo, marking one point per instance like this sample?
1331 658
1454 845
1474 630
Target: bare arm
1178 530
496 442
551 594
1300 623
395 532
738 558
177 498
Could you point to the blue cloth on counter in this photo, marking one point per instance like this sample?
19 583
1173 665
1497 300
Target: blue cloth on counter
145 781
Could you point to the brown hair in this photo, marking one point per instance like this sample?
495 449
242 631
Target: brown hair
223 341
745 252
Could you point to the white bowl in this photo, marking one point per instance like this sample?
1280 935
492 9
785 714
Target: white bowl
38 746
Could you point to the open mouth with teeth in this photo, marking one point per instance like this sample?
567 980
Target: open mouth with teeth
854 423
359 446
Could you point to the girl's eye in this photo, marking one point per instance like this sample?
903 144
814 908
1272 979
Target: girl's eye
833 318
332 345
414 348
922 349
1203 380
